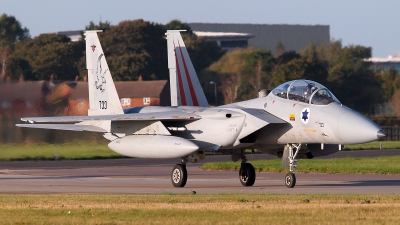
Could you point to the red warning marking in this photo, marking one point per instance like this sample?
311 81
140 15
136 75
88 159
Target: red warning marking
192 93
181 90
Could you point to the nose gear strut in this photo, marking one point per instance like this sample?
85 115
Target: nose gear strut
289 159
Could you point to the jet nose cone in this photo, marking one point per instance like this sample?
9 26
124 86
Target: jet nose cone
354 128
380 134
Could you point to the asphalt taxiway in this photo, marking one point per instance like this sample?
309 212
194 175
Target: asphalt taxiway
146 176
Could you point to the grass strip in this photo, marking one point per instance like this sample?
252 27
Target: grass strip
375 145
49 152
200 209
85 150
373 165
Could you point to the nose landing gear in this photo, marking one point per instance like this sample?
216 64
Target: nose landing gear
289 159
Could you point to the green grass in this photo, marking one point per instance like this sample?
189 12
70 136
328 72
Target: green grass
200 209
375 165
374 145
101 151
48 152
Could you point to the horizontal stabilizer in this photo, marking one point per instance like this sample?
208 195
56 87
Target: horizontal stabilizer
71 127
170 115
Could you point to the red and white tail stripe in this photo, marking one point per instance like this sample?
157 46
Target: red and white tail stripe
185 86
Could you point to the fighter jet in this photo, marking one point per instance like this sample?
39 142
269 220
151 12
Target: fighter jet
298 119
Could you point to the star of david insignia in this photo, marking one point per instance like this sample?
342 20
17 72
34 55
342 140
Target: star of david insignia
305 115
93 47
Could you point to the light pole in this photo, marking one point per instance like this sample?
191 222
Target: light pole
215 91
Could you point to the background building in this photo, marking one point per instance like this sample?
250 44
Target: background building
383 64
266 36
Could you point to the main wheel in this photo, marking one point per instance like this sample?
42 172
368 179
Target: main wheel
179 175
247 174
290 180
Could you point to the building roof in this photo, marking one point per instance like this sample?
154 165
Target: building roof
223 35
266 36
389 59
140 89
24 91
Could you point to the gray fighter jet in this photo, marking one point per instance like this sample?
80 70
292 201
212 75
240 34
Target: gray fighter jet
298 119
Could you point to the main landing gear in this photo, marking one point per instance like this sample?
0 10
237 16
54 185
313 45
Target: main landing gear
289 159
247 174
179 174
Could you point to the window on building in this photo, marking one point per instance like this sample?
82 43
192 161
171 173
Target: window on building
125 102
146 101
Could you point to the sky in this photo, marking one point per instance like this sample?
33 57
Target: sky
370 23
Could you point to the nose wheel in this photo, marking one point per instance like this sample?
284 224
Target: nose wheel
289 159
290 180
179 175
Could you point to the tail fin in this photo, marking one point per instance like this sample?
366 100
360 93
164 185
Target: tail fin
185 86
103 97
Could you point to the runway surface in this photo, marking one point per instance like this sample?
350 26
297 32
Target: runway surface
142 176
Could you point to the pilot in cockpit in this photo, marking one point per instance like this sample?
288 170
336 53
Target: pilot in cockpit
310 89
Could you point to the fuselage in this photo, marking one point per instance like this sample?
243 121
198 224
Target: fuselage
225 127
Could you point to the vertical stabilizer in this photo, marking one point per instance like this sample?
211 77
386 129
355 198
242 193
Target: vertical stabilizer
185 86
103 97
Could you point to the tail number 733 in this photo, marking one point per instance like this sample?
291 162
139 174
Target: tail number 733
103 104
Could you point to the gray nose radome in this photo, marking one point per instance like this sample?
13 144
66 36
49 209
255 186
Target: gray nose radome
380 134
354 128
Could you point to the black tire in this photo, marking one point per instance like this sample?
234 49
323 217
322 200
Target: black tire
179 175
247 174
290 180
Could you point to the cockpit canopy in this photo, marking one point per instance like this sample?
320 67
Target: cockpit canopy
305 91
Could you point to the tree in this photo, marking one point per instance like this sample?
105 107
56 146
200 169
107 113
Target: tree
230 69
257 69
300 68
135 48
352 80
138 47
49 54
19 67
396 102
390 82
11 31
104 26
178 25
279 49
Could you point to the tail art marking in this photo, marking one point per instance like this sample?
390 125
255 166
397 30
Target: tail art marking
103 97
181 90
192 93
99 83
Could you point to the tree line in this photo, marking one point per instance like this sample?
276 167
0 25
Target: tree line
138 48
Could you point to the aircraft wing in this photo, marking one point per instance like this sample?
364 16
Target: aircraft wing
169 115
72 127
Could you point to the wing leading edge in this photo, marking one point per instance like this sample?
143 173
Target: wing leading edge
71 127
170 115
